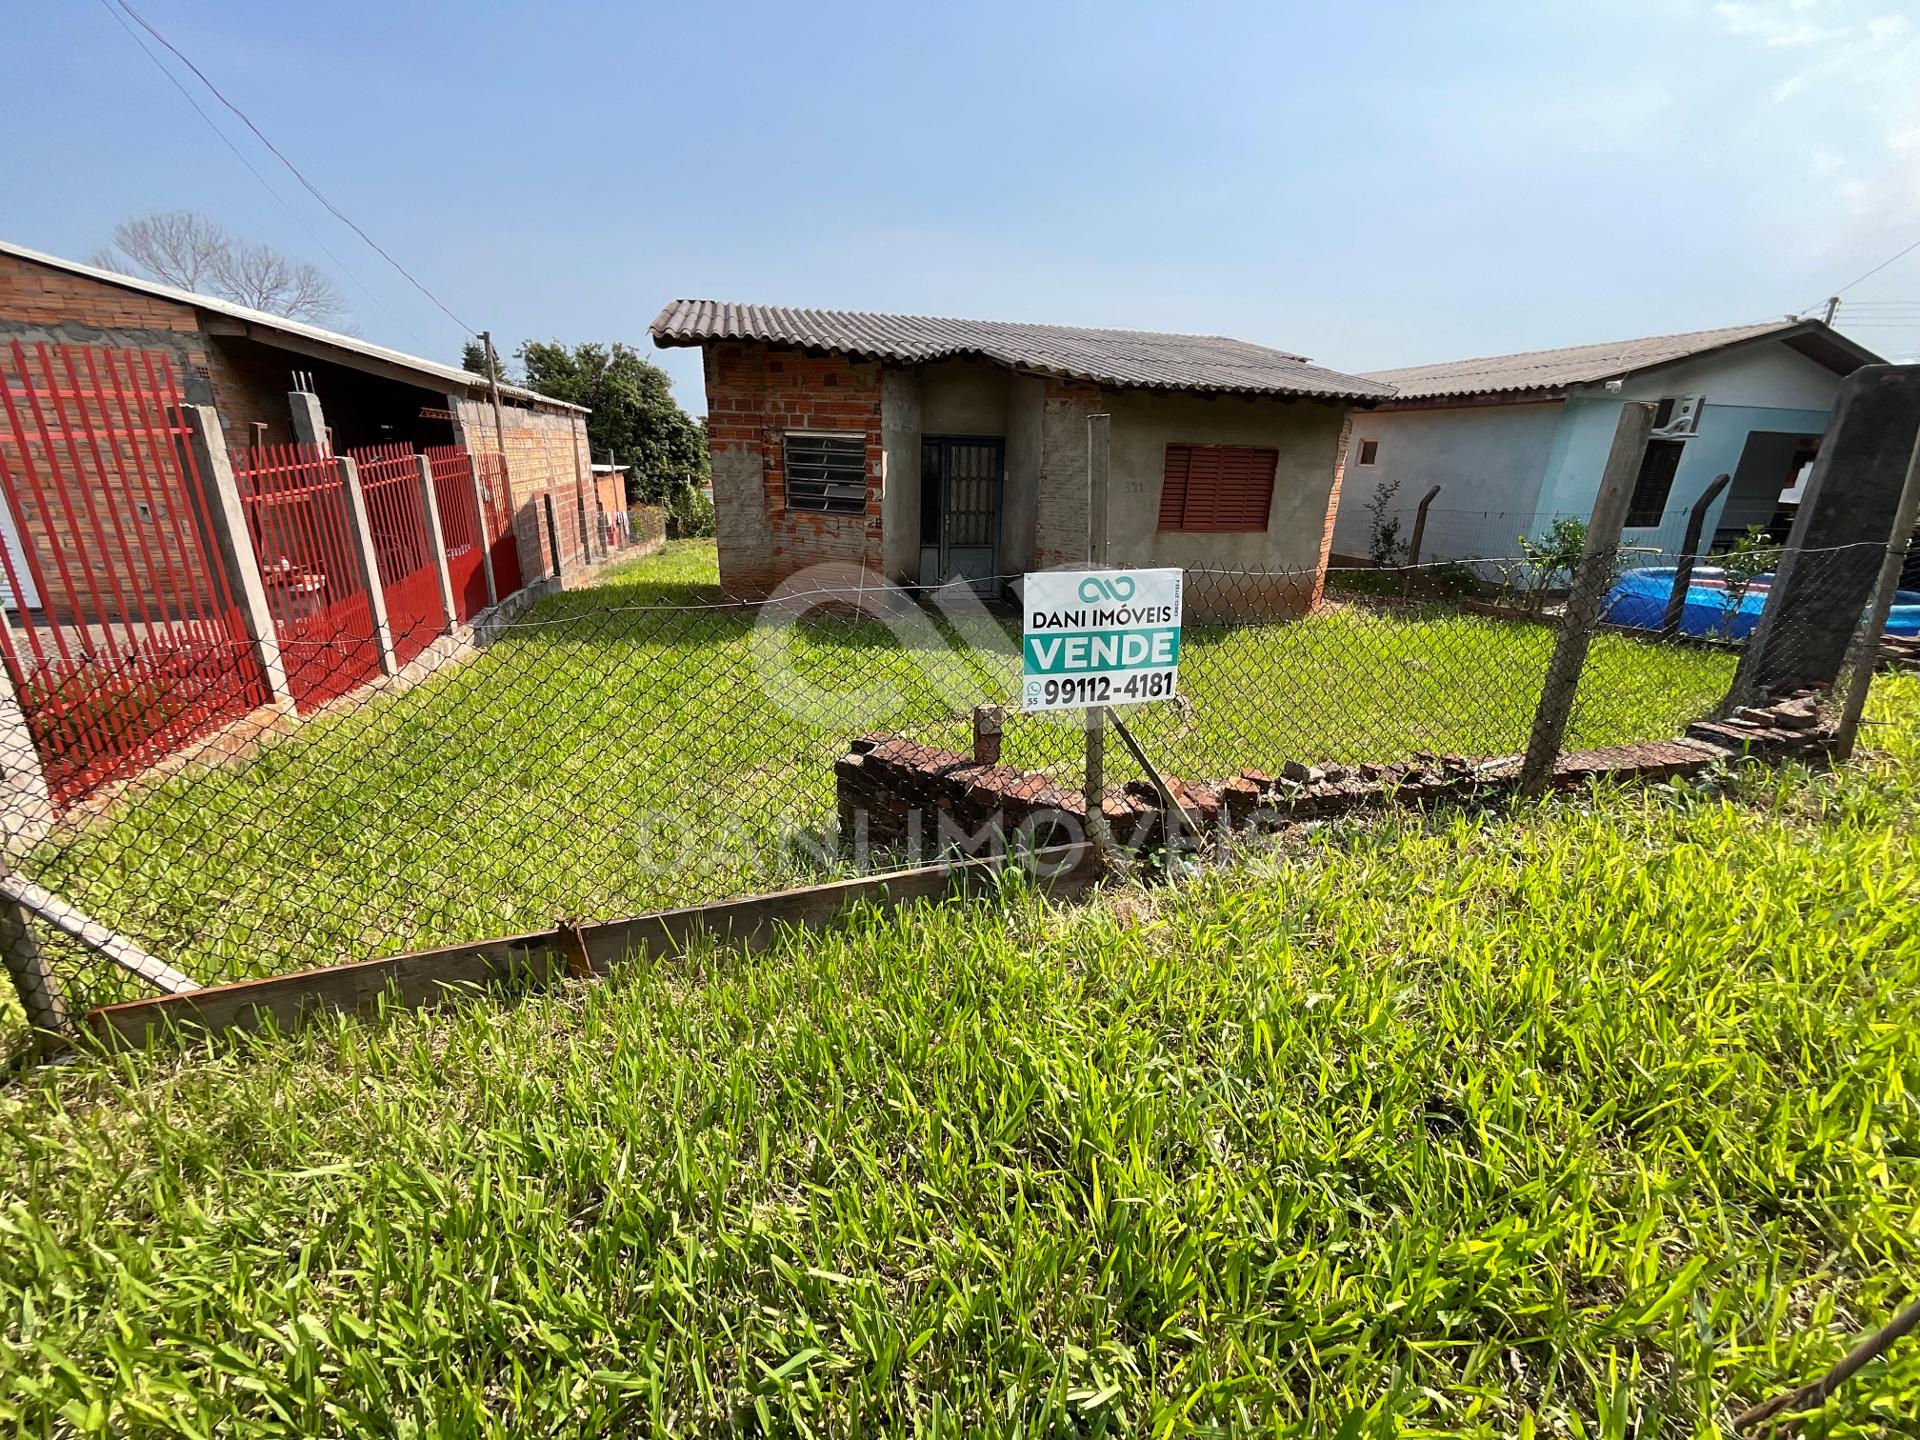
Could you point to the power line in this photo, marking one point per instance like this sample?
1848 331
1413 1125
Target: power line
1898 255
293 169
265 184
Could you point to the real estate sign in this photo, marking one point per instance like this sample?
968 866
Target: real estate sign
1100 637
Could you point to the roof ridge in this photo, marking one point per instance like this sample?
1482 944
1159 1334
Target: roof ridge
976 320
1755 326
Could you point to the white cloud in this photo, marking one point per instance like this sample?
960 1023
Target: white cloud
1782 27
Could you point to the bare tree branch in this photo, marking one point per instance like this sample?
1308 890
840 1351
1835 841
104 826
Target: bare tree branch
187 249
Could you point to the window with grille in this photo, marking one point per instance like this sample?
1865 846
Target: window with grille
1655 482
827 472
1217 487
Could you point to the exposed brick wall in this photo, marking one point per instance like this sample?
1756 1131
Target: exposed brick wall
34 295
545 450
755 394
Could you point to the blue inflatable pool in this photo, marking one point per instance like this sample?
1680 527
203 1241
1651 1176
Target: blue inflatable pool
1639 600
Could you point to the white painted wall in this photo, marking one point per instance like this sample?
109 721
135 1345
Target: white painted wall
1487 459
1511 468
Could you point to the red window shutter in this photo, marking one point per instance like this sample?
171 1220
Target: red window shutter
1173 487
1217 488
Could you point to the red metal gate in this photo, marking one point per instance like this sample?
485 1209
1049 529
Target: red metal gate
397 519
294 496
460 535
501 542
121 636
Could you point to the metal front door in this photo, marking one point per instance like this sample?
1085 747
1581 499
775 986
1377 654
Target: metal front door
960 483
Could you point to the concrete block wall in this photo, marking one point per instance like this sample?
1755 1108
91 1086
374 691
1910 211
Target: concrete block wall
755 394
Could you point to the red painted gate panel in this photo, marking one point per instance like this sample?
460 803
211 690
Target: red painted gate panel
397 519
294 496
501 542
460 532
121 635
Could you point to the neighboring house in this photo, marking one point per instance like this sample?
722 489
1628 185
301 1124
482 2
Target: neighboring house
610 489
244 363
1516 441
930 449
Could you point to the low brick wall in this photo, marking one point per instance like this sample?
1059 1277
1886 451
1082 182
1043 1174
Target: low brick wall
900 797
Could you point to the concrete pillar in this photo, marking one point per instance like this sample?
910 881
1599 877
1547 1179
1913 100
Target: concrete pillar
1846 517
1592 578
430 507
366 560
26 804
233 543
33 979
309 421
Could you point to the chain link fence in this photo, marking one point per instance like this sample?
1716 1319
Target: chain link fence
651 742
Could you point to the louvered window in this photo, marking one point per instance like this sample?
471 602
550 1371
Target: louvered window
827 472
1217 487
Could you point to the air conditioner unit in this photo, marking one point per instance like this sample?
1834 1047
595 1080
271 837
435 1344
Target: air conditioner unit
1679 417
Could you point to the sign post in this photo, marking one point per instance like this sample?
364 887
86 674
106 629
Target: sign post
1095 638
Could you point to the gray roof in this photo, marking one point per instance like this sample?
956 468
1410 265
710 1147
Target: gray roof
1142 359
451 374
1557 370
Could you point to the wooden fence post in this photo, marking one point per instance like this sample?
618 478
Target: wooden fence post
1592 578
430 508
233 543
367 560
554 557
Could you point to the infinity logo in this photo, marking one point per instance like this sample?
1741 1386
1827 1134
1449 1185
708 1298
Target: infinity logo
1094 589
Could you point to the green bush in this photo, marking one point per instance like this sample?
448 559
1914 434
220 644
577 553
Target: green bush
689 514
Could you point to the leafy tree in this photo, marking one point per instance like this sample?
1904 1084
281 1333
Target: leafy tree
194 252
635 417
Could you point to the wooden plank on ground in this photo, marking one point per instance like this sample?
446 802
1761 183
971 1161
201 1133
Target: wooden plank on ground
423 978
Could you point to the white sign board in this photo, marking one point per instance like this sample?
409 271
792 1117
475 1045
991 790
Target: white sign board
1100 637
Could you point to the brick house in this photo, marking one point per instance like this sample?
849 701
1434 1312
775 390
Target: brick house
929 449
244 363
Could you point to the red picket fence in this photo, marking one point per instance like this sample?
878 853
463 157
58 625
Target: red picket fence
501 544
295 500
460 532
397 520
121 636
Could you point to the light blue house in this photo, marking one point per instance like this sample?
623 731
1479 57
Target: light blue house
1516 441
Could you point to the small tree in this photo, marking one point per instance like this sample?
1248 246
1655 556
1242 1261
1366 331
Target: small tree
1750 556
634 414
473 359
1545 558
1384 546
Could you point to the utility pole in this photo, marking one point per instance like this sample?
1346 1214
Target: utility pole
493 389
1833 308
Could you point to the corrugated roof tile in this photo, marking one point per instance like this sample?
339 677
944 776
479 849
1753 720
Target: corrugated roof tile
1129 358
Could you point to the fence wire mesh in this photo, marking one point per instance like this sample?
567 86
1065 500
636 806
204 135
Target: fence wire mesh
649 742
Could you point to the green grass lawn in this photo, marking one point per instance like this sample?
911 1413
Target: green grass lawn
1594 1118
638 745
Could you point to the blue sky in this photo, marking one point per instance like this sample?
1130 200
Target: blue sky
1370 185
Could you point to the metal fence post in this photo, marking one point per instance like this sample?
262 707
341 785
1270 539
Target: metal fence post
233 543
1591 580
367 561
1419 535
430 507
1689 554
1099 458
33 979
1867 642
